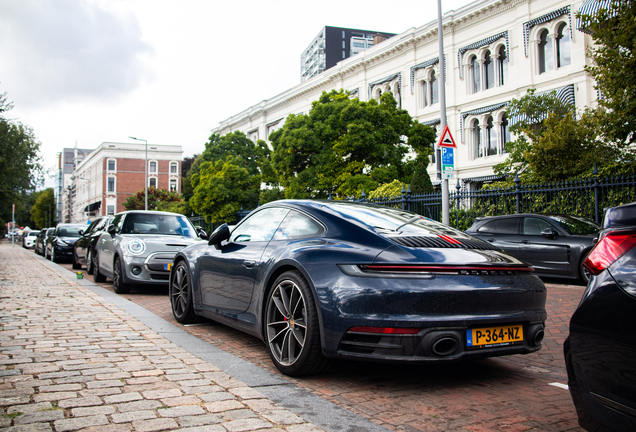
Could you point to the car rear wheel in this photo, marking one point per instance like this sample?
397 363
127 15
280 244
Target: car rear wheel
89 262
97 276
584 273
119 286
181 295
292 330
76 265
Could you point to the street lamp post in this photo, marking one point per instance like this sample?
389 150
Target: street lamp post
442 104
146 170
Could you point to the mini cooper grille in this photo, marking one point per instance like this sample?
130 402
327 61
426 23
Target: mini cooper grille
157 262
437 242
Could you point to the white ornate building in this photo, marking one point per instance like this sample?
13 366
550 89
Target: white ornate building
495 50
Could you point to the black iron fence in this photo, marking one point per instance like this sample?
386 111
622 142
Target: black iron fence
581 197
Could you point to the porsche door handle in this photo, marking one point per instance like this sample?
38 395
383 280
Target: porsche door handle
249 264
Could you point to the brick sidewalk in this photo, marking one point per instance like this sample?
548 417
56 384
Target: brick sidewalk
70 360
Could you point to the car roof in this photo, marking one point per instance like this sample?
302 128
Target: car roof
620 216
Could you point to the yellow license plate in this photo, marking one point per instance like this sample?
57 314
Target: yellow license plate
167 267
494 336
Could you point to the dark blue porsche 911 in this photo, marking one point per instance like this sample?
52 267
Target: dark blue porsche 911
322 280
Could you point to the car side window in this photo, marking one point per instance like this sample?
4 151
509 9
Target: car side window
118 222
500 226
534 226
260 226
297 225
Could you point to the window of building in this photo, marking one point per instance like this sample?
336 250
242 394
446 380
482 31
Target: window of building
502 66
174 166
489 71
424 94
434 89
491 137
545 52
475 73
173 185
152 167
111 184
505 133
111 165
479 151
343 55
110 209
563 46
152 182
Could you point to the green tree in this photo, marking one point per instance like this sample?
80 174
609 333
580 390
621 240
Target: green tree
613 68
421 182
44 210
20 164
158 199
222 188
388 190
344 145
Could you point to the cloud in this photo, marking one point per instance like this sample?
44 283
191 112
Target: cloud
68 50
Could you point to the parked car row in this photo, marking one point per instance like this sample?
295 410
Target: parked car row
319 281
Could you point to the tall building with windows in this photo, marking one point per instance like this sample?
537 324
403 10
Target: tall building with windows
69 158
334 44
494 51
113 172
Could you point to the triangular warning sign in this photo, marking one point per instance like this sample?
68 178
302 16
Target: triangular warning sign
446 139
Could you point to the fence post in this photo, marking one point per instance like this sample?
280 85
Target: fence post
408 197
518 192
403 197
457 187
596 186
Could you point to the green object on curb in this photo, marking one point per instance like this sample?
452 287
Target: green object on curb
80 275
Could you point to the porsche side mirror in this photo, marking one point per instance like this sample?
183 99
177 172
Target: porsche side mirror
81 232
220 234
111 230
549 233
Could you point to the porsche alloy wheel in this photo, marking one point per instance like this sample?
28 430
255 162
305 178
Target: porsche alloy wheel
292 331
89 262
181 295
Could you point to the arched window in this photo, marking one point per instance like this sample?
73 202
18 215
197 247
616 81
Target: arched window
424 94
563 46
491 137
489 69
545 53
502 66
474 69
434 89
479 151
505 133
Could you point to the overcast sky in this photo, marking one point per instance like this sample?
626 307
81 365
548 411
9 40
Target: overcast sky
91 71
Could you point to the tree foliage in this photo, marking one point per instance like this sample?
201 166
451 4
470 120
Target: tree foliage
20 164
613 68
344 145
388 190
227 176
44 210
158 199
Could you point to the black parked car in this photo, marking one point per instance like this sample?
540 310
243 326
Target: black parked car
600 352
60 245
40 241
554 244
84 247
321 280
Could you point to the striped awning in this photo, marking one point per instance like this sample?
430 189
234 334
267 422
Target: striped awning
390 78
483 110
565 94
424 65
544 18
480 44
591 7
431 122
486 178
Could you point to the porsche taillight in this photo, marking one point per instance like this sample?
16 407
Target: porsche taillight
609 248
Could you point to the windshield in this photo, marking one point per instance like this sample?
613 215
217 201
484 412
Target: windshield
393 221
34 233
575 225
69 230
153 223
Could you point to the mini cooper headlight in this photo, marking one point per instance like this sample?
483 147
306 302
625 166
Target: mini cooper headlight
136 247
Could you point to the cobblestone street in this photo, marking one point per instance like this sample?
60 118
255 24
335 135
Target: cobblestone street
515 393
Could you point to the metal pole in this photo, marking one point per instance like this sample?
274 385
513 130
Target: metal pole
13 225
442 112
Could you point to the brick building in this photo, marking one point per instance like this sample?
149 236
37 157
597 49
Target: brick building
113 172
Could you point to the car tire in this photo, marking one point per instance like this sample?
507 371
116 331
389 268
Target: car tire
89 262
53 257
584 273
292 330
97 276
76 265
119 286
181 296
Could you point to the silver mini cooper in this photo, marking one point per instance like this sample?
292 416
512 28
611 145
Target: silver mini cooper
139 246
